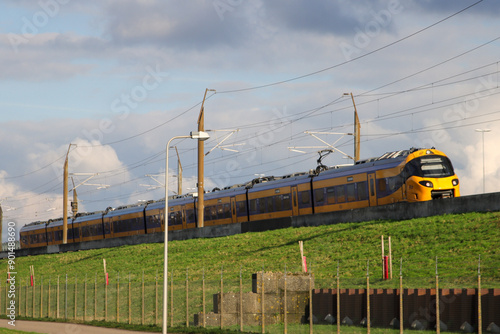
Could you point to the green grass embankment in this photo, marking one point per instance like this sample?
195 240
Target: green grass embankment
456 240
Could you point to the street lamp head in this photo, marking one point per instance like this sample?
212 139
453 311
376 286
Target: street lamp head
482 130
200 135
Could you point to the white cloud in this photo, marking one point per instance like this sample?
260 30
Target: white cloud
61 87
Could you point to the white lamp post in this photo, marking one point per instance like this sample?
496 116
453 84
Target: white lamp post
201 135
482 133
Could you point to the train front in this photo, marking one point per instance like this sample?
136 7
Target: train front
429 175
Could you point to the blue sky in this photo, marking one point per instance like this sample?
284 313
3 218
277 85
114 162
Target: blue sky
120 78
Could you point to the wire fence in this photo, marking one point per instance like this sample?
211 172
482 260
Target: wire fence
272 300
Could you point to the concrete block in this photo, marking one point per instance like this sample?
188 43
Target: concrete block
275 282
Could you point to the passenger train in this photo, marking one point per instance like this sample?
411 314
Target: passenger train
401 176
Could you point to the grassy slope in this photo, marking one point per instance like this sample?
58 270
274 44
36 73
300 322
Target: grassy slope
457 241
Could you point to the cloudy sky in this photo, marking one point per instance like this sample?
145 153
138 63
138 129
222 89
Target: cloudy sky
119 78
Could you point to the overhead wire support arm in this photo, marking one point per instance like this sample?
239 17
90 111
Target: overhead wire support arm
92 175
327 146
223 140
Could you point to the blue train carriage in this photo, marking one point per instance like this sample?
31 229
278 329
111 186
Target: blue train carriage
55 231
343 188
90 225
226 206
276 197
181 212
124 221
33 235
153 214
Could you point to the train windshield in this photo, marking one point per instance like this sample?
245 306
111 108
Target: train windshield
430 166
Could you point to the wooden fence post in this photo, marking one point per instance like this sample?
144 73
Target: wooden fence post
76 289
221 297
142 294
479 307
129 300
338 297
118 297
187 297
401 316
285 311
203 301
438 320
368 297
262 301
241 302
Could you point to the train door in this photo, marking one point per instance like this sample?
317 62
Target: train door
372 189
295 204
183 217
403 184
234 219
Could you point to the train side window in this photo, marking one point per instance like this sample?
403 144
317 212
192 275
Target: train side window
107 228
286 202
304 196
253 206
319 195
351 192
227 210
362 193
190 216
278 202
242 208
382 185
270 204
340 192
262 205
213 212
330 195
220 211
178 218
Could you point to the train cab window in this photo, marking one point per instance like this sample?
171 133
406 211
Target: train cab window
330 195
340 192
429 166
319 195
362 191
351 192
287 205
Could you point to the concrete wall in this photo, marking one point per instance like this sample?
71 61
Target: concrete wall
397 211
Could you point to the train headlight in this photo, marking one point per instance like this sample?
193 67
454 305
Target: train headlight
427 184
454 182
